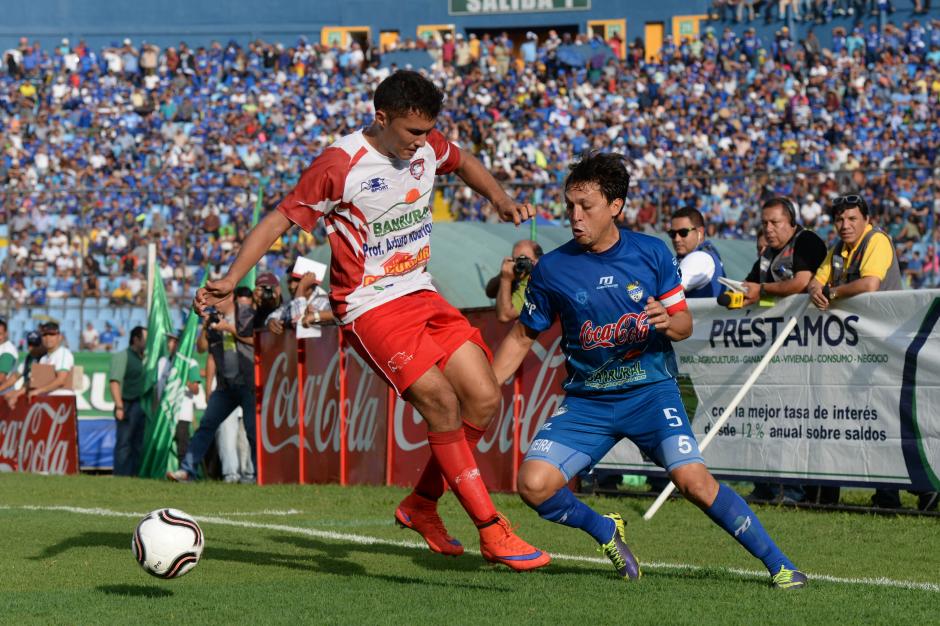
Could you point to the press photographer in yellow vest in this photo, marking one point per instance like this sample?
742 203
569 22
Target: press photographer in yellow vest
861 260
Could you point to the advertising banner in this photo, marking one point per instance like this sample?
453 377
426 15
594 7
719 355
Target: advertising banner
852 397
39 436
278 431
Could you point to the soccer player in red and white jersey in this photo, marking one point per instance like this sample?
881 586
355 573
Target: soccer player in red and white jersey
372 189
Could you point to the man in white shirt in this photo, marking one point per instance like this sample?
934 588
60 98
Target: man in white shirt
8 354
60 358
700 265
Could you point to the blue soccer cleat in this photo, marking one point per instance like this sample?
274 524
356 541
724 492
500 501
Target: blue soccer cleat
619 553
788 579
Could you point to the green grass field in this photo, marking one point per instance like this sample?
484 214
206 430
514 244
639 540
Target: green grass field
331 555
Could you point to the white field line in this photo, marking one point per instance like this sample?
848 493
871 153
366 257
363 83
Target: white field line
368 540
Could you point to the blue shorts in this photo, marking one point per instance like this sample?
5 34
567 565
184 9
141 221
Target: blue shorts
583 430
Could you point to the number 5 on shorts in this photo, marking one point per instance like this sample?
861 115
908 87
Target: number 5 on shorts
672 416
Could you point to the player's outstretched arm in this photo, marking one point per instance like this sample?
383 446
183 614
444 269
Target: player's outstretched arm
258 241
512 350
676 327
472 172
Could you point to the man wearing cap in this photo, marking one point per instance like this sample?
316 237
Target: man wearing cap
8 356
18 380
59 357
127 385
267 297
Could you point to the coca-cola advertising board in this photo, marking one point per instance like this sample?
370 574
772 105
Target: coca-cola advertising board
321 407
365 406
39 436
277 418
386 439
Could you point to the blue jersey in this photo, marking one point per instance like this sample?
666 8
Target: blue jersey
600 299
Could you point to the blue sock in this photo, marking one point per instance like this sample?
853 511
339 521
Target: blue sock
731 512
565 508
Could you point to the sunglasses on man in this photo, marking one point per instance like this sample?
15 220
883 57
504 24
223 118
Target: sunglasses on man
682 232
851 200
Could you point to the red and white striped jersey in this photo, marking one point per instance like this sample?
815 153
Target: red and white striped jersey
378 217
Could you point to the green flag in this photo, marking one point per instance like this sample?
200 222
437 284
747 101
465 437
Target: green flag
158 457
249 279
159 325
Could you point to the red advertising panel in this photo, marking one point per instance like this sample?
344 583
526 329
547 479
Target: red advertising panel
366 411
322 419
278 424
540 377
41 436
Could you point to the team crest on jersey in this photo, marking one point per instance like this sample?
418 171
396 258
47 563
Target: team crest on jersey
374 185
581 297
635 291
417 169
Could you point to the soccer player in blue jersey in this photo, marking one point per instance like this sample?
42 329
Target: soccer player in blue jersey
621 306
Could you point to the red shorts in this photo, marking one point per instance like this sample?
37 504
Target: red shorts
406 337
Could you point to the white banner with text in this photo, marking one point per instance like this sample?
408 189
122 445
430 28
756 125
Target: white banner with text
852 396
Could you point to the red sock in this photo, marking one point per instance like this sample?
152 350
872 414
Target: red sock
432 485
453 455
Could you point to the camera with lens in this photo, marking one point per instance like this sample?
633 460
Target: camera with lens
267 292
522 266
212 315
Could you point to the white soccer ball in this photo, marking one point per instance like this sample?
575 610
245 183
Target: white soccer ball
167 543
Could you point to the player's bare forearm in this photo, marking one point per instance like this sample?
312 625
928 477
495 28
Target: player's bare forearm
512 351
472 172
680 326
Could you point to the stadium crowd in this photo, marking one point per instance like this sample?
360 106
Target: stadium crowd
107 150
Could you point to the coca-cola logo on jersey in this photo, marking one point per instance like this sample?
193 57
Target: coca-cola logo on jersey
630 328
322 414
37 443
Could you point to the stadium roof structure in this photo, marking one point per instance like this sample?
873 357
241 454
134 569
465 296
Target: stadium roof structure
465 255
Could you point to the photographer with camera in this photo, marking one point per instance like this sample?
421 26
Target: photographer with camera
509 287
227 334
305 291
266 298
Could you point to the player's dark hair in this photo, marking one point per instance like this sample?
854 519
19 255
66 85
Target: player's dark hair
137 333
243 292
3 323
406 91
606 169
692 214
784 202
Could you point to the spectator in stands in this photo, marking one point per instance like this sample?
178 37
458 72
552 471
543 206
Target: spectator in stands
509 287
126 378
17 382
228 335
110 336
122 295
60 358
8 356
700 265
89 337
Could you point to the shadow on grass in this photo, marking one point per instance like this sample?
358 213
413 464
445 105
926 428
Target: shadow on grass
136 591
121 541
332 558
